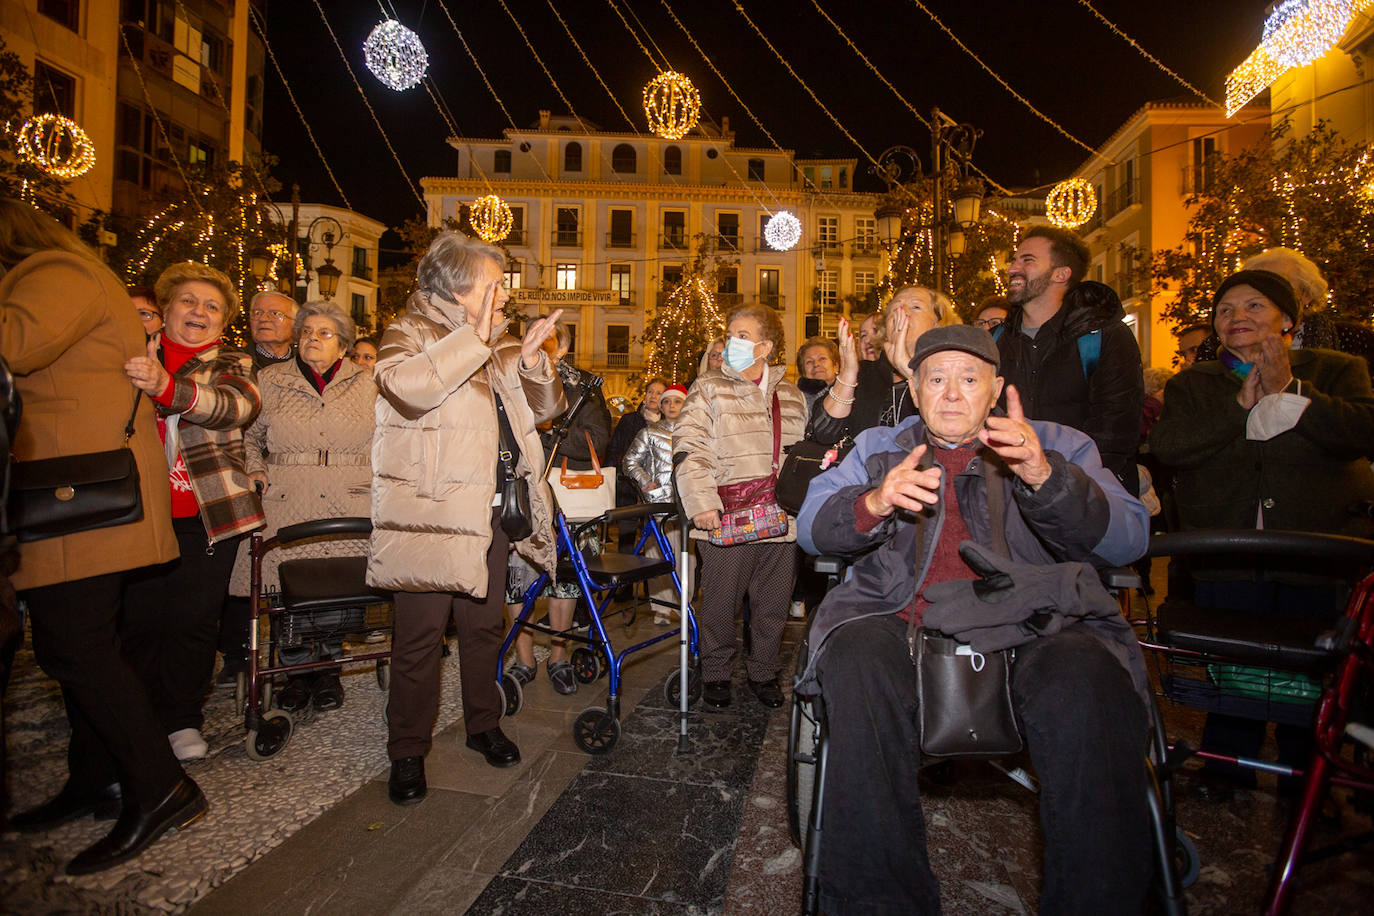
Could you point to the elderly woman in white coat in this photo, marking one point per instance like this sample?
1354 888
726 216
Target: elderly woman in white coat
446 376
310 454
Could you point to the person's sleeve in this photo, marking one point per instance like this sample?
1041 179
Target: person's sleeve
830 520
621 438
543 389
633 464
416 379
255 444
231 400
51 307
1116 395
1340 419
695 435
1191 427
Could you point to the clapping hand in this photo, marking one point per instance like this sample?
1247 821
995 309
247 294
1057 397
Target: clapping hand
1014 439
849 357
538 332
895 344
146 372
906 486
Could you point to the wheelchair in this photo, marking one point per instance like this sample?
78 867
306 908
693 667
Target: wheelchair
319 598
597 729
807 759
1306 672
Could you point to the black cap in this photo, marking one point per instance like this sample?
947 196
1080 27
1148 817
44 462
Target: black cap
1274 287
963 337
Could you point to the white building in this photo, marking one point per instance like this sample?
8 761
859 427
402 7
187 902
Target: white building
354 253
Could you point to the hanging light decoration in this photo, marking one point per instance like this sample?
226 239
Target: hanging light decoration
1071 203
491 217
56 145
782 231
395 55
1296 33
672 105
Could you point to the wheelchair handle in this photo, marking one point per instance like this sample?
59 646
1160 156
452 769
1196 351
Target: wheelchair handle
1251 541
303 531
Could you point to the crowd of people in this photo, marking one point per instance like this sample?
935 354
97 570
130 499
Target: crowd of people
1031 432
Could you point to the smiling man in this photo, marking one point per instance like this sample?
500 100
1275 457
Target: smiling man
1031 494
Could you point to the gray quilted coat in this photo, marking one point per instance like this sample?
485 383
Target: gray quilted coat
318 462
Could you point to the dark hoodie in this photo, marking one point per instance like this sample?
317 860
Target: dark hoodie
1048 372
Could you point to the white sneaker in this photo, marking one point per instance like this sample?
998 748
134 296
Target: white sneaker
662 620
798 610
187 744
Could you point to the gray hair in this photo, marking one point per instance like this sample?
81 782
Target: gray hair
453 263
1297 269
343 322
1155 379
270 294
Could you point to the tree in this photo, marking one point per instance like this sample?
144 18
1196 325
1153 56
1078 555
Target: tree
687 318
1314 194
19 178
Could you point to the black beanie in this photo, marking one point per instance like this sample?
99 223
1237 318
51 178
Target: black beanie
1275 288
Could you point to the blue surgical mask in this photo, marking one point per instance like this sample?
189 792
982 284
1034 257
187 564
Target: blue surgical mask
739 353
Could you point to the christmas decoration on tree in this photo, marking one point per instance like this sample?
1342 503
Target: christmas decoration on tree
672 105
395 55
1296 33
782 231
1071 203
56 145
491 218
688 317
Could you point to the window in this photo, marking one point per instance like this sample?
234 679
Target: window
361 270
864 281
727 280
756 170
827 177
514 274
810 175
618 346
1203 165
827 284
672 274
200 152
572 342
620 282
212 53
769 286
565 276
67 12
572 157
727 227
828 231
54 92
517 226
566 233
359 308
623 159
844 177
622 234
672 160
865 233
500 162
674 229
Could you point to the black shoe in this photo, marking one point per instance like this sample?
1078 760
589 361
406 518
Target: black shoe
138 829
327 691
295 696
493 744
717 693
767 693
407 783
69 805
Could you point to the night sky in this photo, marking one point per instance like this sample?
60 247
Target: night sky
1055 53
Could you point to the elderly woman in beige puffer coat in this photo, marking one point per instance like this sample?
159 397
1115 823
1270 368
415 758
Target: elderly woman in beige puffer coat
445 373
726 431
310 454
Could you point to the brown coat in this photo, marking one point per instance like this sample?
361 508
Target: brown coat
318 464
434 455
66 329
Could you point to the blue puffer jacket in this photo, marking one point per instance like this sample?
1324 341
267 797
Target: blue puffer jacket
1081 513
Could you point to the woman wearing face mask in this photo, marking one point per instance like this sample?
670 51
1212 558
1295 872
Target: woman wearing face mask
727 432
874 393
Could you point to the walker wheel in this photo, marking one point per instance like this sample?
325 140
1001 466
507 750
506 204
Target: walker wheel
271 735
596 731
384 674
586 664
672 689
512 693
1186 859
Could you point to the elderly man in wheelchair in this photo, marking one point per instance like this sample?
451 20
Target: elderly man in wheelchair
1035 511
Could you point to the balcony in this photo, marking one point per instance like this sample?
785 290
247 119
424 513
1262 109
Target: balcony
617 360
620 240
567 238
828 244
729 300
361 272
864 248
772 300
1125 195
673 241
730 241
1198 179
516 237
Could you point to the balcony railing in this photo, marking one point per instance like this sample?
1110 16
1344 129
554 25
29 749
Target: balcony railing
730 241
617 360
362 271
516 238
620 240
676 241
567 238
829 244
1126 194
864 248
774 300
729 300
1198 179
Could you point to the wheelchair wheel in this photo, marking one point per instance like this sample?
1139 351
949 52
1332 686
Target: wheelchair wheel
512 693
384 674
802 742
586 664
271 735
596 731
672 690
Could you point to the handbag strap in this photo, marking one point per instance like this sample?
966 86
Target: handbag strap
591 450
129 427
777 431
509 449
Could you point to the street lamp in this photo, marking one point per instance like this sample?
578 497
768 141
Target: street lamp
260 260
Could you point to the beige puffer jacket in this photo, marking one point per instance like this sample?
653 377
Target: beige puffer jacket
726 429
434 454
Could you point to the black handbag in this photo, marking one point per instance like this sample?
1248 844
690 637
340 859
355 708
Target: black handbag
964 699
52 497
805 460
515 490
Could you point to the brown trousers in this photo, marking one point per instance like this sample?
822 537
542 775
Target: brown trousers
416 652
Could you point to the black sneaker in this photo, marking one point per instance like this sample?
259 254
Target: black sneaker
407 783
717 693
295 696
767 693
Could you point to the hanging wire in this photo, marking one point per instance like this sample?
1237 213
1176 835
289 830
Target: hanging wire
635 36
386 139
1147 55
647 34
628 120
540 61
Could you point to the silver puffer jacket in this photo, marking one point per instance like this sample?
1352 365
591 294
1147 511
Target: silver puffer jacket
649 461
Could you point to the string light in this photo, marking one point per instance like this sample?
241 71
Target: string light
590 66
1071 203
1146 54
491 218
539 60
1296 33
672 105
782 231
686 321
56 145
395 55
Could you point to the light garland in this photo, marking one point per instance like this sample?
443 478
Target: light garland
687 320
491 218
782 231
1071 203
1296 33
672 105
395 55
56 145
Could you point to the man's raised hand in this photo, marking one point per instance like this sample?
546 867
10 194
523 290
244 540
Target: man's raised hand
906 487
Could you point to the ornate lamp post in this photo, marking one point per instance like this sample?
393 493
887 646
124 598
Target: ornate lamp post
260 262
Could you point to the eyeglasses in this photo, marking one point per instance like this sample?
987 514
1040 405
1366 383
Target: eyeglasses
320 333
273 314
148 315
987 324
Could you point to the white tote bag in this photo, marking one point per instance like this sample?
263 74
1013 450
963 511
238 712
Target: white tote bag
583 494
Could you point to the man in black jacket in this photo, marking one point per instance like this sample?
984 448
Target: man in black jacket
1067 351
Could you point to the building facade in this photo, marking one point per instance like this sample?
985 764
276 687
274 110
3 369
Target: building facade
354 252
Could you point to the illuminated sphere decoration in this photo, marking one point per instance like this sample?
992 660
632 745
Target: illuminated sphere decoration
56 145
395 55
490 217
1298 32
672 105
782 231
1071 203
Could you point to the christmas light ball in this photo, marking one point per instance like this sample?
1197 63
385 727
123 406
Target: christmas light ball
782 231
1071 203
672 105
490 217
395 55
56 145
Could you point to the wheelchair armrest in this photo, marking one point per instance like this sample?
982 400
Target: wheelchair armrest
829 565
1249 542
323 526
1119 577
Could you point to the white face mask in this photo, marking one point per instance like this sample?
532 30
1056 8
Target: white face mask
739 353
1275 414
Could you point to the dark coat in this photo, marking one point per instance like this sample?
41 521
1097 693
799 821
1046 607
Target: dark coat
875 395
593 418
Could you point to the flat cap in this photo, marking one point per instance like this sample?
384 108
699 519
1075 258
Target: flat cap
963 337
